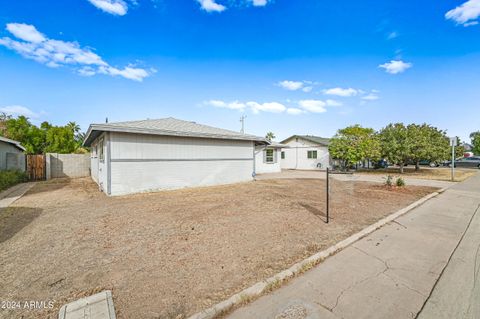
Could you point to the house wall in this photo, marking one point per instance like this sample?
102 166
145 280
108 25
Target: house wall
99 168
11 157
141 163
296 155
261 166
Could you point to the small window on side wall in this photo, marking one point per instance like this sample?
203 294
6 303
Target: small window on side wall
312 154
282 155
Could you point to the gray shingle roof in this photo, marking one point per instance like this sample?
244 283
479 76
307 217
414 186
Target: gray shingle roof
311 138
14 143
169 127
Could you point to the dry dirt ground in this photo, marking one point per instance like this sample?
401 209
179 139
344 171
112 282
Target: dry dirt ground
173 253
439 173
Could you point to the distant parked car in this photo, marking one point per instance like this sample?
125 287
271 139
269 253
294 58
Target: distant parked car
381 164
472 162
424 162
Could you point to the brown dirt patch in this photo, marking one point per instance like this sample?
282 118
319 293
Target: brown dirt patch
439 173
171 254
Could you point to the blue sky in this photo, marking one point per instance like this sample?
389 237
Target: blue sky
293 67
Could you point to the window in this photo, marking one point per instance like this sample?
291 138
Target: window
283 155
269 157
101 155
312 154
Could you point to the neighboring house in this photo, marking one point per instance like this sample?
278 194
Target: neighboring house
267 158
11 155
305 152
140 156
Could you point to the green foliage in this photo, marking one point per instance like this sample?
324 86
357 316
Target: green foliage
354 144
44 139
389 181
475 137
270 136
395 144
10 178
427 143
400 182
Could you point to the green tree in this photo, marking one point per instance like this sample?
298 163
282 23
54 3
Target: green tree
427 143
44 139
475 137
354 144
270 136
395 144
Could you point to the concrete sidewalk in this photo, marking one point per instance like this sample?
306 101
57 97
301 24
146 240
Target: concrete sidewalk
8 196
406 266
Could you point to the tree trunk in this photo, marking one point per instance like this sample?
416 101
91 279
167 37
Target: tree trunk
401 168
417 165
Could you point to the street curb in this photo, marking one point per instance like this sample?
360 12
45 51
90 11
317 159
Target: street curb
276 281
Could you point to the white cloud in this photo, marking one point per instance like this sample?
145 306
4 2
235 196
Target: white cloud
235 105
273 107
392 35
341 92
25 32
333 103
307 89
465 14
291 85
56 53
259 3
396 66
211 6
314 106
370 97
18 110
295 111
115 7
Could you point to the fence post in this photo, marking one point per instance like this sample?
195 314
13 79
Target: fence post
328 195
48 167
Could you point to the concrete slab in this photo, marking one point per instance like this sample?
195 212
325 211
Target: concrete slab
391 272
98 306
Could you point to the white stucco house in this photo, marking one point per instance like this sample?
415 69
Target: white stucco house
148 155
268 158
305 152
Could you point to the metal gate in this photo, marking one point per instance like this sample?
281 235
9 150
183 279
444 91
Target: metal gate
36 167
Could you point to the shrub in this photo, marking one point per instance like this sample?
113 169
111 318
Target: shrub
400 182
389 180
10 178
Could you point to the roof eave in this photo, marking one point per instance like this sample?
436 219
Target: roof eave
107 128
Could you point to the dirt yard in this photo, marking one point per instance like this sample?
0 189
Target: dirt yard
439 173
171 254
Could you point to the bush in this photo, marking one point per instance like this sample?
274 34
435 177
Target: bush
10 178
389 181
400 182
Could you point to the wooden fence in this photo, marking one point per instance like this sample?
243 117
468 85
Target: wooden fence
36 168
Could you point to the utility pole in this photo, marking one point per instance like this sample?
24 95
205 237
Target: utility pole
242 120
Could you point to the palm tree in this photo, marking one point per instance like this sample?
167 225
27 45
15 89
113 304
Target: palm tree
270 136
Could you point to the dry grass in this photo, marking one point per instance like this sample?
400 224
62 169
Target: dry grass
440 173
171 254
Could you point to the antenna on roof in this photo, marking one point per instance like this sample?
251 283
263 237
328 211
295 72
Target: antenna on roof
242 120
106 120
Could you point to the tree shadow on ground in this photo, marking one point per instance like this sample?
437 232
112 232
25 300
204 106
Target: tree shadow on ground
51 185
14 219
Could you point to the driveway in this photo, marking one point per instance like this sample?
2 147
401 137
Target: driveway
423 264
